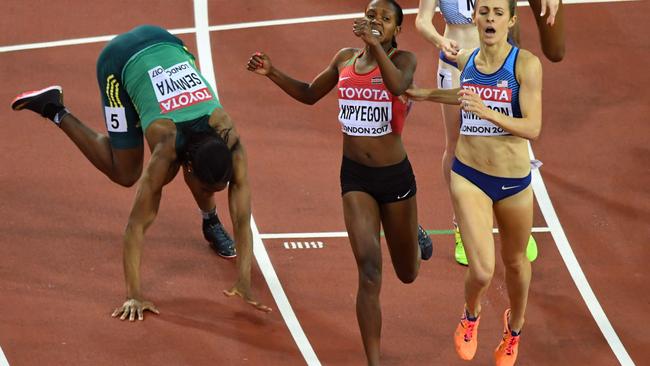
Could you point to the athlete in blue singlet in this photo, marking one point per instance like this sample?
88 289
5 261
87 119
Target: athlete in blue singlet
459 33
501 99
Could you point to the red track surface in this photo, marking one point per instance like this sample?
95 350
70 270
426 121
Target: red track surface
61 221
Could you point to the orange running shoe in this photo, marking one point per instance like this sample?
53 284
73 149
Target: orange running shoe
465 337
506 352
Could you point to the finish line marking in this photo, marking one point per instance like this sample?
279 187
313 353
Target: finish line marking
344 234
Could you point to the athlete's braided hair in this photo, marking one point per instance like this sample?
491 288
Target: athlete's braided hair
209 156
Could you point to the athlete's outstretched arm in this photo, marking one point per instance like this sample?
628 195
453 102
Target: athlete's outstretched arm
239 201
424 25
445 96
529 75
143 213
308 93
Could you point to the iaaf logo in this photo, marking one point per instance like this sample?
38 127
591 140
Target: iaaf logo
185 100
490 92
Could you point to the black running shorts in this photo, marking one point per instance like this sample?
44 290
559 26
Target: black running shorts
385 184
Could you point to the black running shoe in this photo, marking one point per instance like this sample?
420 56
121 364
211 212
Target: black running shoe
218 238
47 102
426 246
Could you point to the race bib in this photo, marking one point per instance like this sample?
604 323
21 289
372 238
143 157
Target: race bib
498 99
178 86
365 118
115 119
466 8
444 78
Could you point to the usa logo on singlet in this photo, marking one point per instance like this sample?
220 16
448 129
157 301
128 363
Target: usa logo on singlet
495 98
178 86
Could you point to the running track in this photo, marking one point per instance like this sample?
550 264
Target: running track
61 221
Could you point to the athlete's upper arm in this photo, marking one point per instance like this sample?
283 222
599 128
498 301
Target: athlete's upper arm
529 76
406 62
327 79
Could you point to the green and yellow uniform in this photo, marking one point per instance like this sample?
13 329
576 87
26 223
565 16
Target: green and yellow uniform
147 74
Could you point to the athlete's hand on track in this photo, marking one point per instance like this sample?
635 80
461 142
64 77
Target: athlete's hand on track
471 102
132 308
362 29
553 6
259 63
245 294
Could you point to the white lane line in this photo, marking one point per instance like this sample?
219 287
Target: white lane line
3 359
263 260
344 234
246 25
281 299
203 44
571 262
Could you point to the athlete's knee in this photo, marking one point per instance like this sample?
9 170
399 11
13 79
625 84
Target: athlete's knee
554 53
516 264
126 180
409 275
481 276
369 274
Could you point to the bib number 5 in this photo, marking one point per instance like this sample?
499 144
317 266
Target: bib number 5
115 119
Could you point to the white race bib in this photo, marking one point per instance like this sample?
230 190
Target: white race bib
115 119
365 118
498 99
444 78
466 8
178 86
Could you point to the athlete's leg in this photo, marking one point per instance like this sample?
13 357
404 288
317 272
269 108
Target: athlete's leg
362 221
515 219
474 214
551 36
448 78
122 166
399 220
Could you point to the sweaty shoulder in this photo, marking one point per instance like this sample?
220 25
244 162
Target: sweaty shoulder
344 55
527 64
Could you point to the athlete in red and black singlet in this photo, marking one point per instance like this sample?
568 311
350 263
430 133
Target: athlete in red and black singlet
367 107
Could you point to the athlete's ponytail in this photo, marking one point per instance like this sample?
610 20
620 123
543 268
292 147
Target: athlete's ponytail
400 18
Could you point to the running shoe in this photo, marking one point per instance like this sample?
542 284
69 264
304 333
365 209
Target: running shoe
459 251
425 243
217 236
466 337
506 352
47 102
531 249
